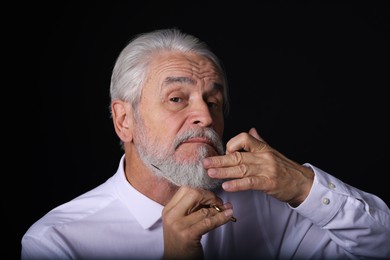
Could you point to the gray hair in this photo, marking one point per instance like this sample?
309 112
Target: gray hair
130 69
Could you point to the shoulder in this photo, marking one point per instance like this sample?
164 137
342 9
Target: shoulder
82 207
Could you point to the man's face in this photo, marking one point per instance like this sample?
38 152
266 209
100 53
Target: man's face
179 120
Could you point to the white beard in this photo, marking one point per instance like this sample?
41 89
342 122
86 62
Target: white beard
161 159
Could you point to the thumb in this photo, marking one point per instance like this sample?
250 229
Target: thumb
253 132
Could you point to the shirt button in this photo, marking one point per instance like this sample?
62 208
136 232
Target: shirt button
331 185
326 201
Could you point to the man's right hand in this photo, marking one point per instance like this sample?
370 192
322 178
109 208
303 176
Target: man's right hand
187 217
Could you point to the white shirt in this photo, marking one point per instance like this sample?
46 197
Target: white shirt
115 221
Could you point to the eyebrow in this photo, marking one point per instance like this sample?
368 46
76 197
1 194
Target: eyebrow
172 80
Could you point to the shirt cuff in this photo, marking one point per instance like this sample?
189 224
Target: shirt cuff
327 195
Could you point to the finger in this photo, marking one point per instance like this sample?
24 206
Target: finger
187 200
198 216
209 223
263 144
187 194
245 142
205 220
250 183
223 160
226 206
210 217
253 132
231 160
252 166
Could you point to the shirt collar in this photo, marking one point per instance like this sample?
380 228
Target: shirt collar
146 211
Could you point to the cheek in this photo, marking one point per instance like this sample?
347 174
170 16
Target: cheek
219 124
164 130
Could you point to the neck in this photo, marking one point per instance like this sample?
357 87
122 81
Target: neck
145 181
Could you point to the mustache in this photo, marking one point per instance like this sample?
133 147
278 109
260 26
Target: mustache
207 133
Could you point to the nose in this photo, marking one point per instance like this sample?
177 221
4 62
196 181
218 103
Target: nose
201 114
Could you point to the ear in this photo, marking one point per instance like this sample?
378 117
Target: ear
122 116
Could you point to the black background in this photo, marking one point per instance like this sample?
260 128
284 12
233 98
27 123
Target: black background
312 78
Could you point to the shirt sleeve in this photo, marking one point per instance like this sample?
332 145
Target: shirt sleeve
41 248
357 221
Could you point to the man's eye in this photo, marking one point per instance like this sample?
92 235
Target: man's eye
212 105
175 99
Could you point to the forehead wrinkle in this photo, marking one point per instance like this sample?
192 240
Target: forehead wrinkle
204 69
198 70
172 80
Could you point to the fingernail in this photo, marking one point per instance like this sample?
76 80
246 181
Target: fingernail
206 162
228 205
228 212
225 185
212 172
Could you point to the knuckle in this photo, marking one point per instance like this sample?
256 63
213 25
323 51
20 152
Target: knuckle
268 156
205 212
237 156
243 169
251 182
166 216
185 234
261 146
176 227
191 193
208 223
